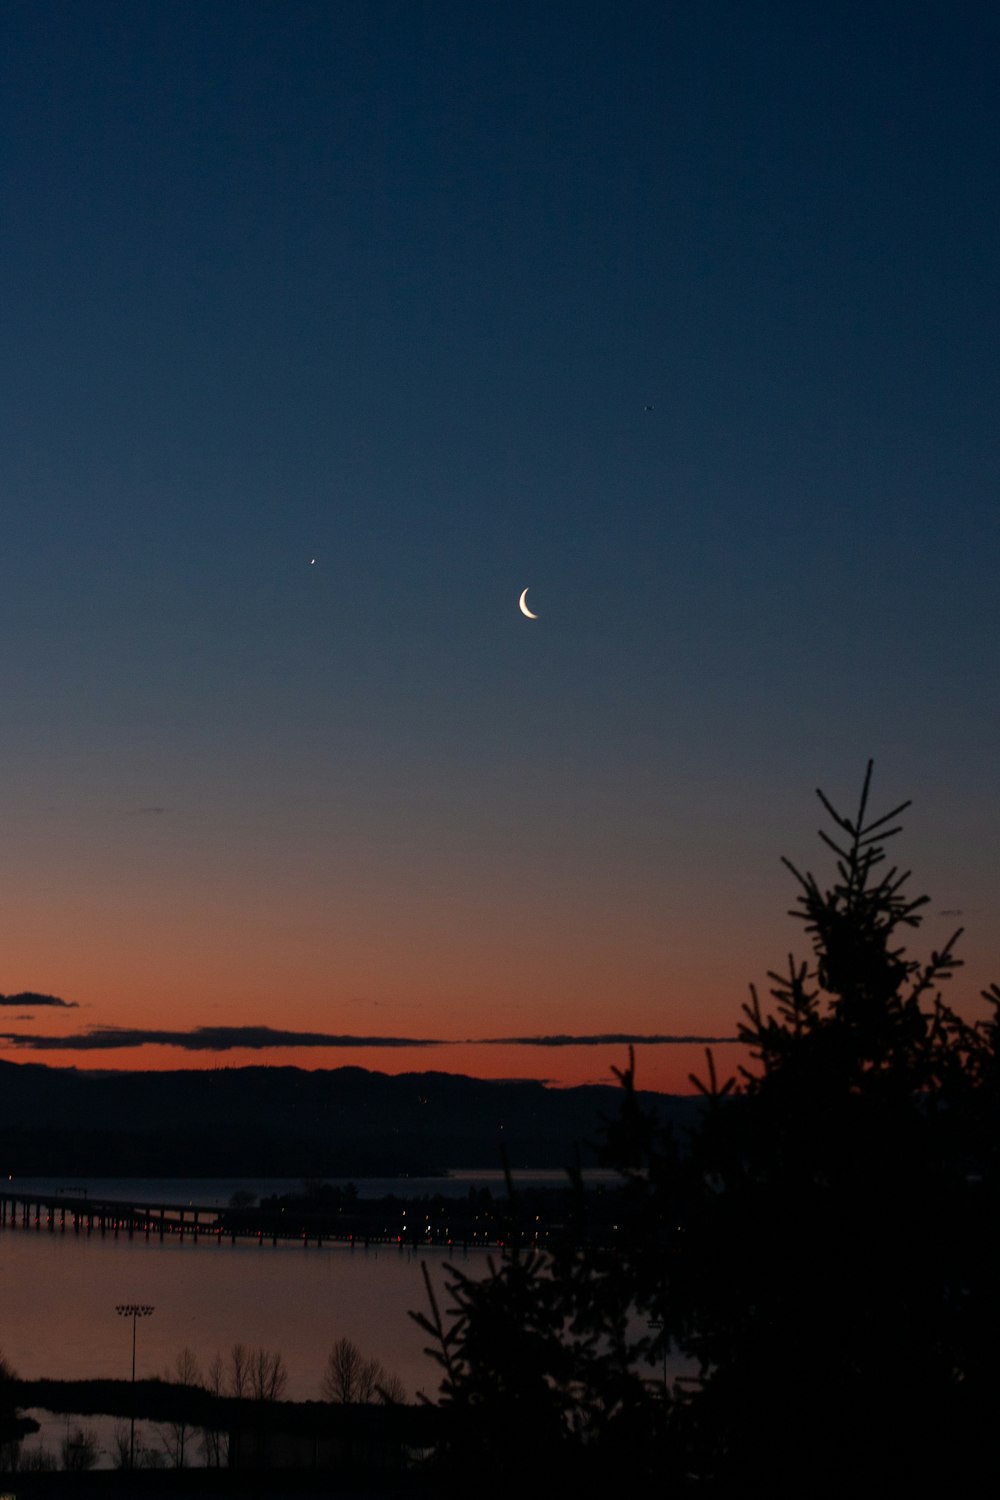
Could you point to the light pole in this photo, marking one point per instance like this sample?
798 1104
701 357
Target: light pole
133 1310
658 1323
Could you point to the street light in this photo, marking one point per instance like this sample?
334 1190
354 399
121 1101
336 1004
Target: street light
133 1310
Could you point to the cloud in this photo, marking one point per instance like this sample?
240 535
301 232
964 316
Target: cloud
202 1039
257 1038
606 1039
27 998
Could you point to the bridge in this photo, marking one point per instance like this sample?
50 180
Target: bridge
83 1214
26 1209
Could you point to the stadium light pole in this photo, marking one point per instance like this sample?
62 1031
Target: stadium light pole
133 1310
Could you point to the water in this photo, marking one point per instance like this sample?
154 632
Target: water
58 1291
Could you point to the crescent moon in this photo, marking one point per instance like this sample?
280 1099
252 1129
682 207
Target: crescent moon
524 608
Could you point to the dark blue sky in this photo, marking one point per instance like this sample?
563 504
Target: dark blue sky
391 286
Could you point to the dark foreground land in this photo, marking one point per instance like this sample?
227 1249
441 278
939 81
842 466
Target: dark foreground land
265 1447
165 1484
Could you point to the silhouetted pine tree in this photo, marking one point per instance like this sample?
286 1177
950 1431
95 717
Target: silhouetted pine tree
825 1250
542 1385
836 1278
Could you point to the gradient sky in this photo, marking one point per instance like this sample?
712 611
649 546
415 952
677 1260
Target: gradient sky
392 286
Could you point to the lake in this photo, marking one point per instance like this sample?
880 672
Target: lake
58 1292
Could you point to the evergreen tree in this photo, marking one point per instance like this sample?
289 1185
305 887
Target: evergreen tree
824 1250
837 1277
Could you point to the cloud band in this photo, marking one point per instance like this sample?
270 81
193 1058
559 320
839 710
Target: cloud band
257 1038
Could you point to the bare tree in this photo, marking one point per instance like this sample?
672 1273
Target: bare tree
342 1378
125 1455
211 1438
391 1390
239 1370
121 1449
256 1374
36 1460
268 1375
174 1436
350 1379
80 1450
249 1374
216 1379
186 1369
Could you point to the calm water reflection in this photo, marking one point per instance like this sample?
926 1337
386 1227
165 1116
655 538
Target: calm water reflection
58 1292
58 1289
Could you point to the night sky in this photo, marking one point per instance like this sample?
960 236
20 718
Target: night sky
329 328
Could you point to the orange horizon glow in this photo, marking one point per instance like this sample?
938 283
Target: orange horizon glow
449 960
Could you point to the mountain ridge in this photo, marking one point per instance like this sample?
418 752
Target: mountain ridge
289 1121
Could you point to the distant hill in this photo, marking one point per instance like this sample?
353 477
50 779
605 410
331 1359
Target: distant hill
291 1122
